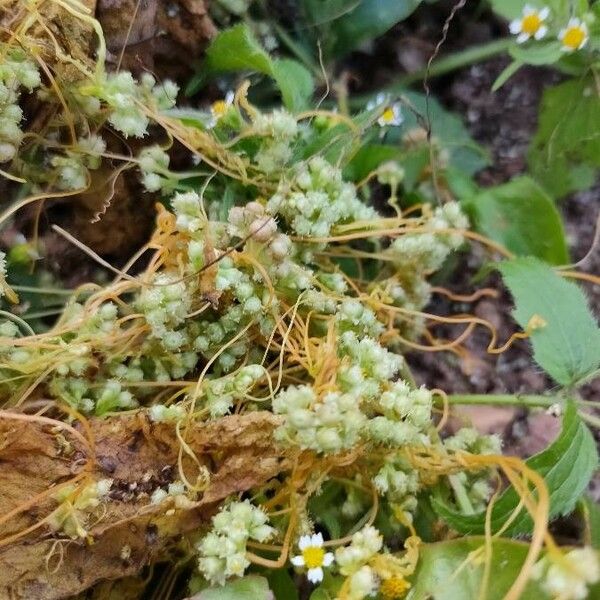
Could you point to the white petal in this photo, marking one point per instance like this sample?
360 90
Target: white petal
541 32
315 575
304 542
573 22
371 105
380 98
522 37
544 13
317 540
583 42
529 10
328 559
297 561
381 122
515 26
229 97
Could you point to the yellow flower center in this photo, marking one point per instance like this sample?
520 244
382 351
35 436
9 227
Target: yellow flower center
313 556
573 37
394 587
219 108
388 114
531 23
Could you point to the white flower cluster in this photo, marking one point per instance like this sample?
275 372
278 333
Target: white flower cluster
72 169
477 485
223 550
279 129
421 253
165 304
366 365
16 70
126 97
69 517
159 413
154 165
400 483
251 220
317 199
190 214
328 424
406 416
222 393
352 562
354 316
569 576
112 397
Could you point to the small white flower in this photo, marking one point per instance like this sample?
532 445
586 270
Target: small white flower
391 114
313 557
531 24
219 108
574 36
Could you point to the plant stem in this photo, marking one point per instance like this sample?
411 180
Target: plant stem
531 401
447 64
460 493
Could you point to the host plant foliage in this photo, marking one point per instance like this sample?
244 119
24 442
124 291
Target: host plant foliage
275 283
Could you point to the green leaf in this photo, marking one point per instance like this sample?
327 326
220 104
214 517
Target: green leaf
295 83
511 9
522 217
368 158
591 511
448 571
538 53
565 151
282 585
321 12
567 466
367 20
236 49
506 74
464 153
567 347
251 587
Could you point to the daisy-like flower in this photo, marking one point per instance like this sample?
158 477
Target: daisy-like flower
574 36
219 108
391 114
313 557
531 24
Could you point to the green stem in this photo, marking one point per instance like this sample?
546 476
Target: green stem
301 54
460 493
531 401
447 64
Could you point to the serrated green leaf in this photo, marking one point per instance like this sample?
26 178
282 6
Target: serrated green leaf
522 217
447 571
567 466
236 49
567 347
367 20
568 136
251 587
